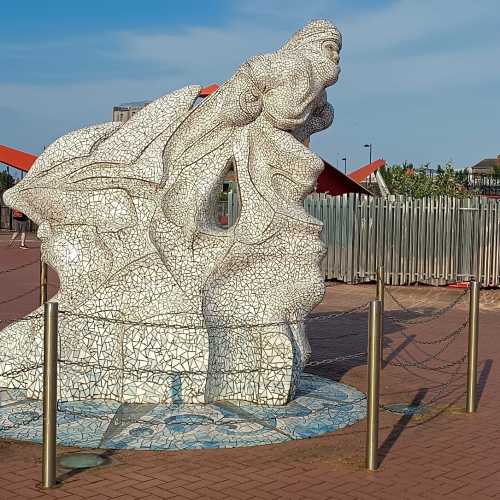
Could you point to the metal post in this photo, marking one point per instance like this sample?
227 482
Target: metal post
473 343
380 284
380 296
230 209
374 333
49 395
43 282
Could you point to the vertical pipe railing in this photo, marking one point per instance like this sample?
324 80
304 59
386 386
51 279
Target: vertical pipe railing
374 334
380 284
473 347
49 395
380 297
435 245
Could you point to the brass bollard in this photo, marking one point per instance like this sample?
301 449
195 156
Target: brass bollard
49 395
473 347
374 334
380 296
43 282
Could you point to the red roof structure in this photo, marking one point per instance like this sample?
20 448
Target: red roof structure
366 170
334 182
206 91
16 159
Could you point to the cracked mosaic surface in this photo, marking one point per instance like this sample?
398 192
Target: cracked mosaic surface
320 406
159 303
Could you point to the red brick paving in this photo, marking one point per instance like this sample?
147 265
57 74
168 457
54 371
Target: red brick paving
446 454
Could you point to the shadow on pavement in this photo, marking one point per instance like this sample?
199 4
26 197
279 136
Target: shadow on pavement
483 378
399 427
346 336
106 455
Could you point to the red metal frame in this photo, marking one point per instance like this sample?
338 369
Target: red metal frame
366 170
16 159
334 182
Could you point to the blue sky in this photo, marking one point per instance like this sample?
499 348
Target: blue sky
420 79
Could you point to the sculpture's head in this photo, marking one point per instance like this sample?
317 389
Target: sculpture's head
322 40
284 86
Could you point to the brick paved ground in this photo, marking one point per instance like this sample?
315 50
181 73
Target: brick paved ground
443 454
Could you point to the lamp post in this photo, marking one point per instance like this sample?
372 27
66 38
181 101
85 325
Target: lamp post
345 165
369 146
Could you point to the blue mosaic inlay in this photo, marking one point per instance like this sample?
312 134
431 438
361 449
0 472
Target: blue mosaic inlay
320 406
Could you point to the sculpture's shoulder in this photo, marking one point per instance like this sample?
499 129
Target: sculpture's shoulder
117 141
78 143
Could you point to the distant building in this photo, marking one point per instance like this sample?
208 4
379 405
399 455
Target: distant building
124 112
486 166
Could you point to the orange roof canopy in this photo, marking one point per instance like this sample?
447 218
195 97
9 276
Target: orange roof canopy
15 158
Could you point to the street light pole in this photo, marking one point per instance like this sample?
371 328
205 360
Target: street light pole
345 165
369 146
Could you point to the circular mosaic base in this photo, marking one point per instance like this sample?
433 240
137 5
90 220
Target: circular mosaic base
320 406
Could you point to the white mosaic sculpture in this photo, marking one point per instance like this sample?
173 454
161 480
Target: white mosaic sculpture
160 304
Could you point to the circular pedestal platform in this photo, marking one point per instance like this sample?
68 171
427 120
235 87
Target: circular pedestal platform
320 406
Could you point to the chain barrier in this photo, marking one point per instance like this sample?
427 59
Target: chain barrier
444 389
12 269
432 362
19 320
209 372
454 334
25 369
428 316
30 416
452 339
405 364
448 340
335 360
12 299
151 371
70 314
422 364
324 317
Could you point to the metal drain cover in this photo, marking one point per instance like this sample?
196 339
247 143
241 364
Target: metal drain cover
80 460
406 409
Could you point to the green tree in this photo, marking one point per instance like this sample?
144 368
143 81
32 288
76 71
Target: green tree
419 182
6 180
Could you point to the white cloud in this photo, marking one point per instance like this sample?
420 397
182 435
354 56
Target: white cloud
203 53
416 21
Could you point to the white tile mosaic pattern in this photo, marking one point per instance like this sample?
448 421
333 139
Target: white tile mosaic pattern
160 304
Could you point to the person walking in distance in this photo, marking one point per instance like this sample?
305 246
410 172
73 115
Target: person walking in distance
20 221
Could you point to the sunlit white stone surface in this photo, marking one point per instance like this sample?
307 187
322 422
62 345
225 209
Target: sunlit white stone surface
159 303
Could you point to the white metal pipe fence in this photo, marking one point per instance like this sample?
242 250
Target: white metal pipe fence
430 240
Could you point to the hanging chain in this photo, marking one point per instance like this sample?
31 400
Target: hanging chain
12 269
427 317
335 360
